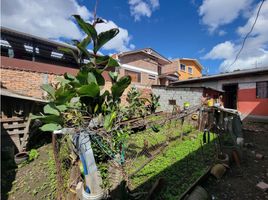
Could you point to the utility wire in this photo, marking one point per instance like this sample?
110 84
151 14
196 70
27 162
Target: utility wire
244 41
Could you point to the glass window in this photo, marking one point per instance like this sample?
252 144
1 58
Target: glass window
262 89
190 70
183 67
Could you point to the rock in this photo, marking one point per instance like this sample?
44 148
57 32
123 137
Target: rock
262 185
259 156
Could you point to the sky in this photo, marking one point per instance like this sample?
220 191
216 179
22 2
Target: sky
211 31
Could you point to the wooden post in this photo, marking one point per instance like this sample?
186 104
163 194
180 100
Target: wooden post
58 166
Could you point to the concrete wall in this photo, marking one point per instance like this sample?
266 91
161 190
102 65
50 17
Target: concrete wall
181 95
217 84
247 103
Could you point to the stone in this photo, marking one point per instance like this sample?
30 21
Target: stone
262 185
259 156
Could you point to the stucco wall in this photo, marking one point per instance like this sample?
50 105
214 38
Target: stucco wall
185 74
181 95
247 102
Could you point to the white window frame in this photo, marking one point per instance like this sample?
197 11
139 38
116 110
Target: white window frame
189 70
184 67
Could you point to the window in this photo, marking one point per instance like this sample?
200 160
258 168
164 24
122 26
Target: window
172 102
190 70
135 76
262 89
183 67
152 77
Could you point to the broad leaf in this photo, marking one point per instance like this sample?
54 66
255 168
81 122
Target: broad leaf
99 77
86 27
91 78
51 127
113 76
85 52
112 63
119 87
90 90
98 21
63 81
69 76
61 108
51 109
69 51
102 60
104 37
108 121
85 42
49 89
33 117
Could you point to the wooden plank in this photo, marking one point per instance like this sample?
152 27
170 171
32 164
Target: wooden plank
16 132
14 126
13 119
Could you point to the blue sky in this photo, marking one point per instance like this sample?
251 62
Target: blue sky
208 30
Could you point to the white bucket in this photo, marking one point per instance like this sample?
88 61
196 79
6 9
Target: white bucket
87 196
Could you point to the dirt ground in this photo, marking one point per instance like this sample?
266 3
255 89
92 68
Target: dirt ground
31 181
239 183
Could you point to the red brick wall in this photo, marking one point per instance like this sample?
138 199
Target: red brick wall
25 82
140 60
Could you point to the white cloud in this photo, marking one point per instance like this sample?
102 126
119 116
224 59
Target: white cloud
142 8
52 19
216 13
255 51
45 18
120 42
221 51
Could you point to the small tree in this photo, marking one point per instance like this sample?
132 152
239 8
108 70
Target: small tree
78 102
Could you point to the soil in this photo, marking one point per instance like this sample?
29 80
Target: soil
239 183
29 181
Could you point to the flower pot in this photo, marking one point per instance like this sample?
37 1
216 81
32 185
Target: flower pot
199 193
21 157
223 158
218 170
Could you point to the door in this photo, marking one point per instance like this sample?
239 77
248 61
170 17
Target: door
230 97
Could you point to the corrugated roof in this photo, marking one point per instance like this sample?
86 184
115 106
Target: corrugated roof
224 75
8 93
148 51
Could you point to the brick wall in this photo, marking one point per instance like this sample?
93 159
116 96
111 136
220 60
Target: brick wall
143 62
172 67
25 82
140 60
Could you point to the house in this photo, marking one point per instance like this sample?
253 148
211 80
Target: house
182 69
28 61
143 65
244 90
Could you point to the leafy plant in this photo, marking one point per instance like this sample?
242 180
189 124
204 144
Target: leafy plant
136 104
77 97
153 103
33 154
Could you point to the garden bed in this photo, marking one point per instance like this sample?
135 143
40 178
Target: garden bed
180 163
